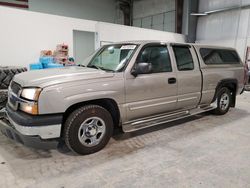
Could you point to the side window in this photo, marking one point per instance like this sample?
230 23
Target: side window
158 56
183 58
219 56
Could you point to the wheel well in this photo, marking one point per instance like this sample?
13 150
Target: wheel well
109 104
232 85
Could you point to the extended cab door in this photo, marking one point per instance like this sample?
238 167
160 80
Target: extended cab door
189 77
153 93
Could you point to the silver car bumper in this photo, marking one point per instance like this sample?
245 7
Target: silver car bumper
45 132
42 132
247 87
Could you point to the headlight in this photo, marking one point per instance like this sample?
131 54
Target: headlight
30 108
31 93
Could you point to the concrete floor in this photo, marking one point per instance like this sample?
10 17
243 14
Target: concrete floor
202 151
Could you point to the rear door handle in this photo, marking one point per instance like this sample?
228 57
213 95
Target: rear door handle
172 80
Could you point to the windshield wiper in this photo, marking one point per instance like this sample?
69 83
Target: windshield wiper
94 66
99 68
106 69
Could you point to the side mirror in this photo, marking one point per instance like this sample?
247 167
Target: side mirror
142 68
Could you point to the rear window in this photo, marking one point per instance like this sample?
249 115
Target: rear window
219 56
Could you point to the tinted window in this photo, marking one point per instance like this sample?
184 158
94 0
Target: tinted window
158 56
183 58
219 56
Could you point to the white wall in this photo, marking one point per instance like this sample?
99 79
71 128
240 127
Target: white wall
229 28
24 34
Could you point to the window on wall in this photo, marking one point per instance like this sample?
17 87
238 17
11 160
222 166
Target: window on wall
157 14
219 56
163 22
24 4
158 56
184 59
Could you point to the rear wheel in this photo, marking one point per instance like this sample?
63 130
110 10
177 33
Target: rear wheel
224 99
88 129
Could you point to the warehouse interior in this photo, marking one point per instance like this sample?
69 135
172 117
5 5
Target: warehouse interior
213 22
201 150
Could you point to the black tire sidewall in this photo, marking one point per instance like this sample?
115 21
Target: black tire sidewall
3 96
3 99
7 74
74 122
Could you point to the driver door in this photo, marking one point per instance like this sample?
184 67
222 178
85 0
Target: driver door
153 93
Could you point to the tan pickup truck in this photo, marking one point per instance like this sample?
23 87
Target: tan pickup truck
131 85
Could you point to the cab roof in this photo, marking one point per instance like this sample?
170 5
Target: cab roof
143 42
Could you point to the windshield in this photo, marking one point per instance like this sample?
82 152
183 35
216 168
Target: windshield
111 57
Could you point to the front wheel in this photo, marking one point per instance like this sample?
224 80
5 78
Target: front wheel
224 99
88 129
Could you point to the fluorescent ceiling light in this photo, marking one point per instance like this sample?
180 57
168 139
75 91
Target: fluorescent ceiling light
198 14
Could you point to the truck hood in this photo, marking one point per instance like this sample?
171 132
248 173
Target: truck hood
48 77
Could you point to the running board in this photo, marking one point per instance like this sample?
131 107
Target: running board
163 118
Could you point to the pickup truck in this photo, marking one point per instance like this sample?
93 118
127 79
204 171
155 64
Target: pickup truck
128 85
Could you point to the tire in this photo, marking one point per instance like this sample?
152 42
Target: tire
88 129
7 73
3 98
224 99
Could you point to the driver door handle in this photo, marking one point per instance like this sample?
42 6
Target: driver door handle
172 80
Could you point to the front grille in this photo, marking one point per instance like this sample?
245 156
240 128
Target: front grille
14 93
15 87
12 101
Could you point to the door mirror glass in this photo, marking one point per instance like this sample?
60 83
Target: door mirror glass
142 68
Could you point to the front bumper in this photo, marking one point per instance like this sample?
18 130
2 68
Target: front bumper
41 132
247 87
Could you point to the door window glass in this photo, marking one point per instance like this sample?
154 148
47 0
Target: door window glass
158 56
183 58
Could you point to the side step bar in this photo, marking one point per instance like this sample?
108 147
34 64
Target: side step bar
163 118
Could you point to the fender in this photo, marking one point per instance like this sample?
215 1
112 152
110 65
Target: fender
231 84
